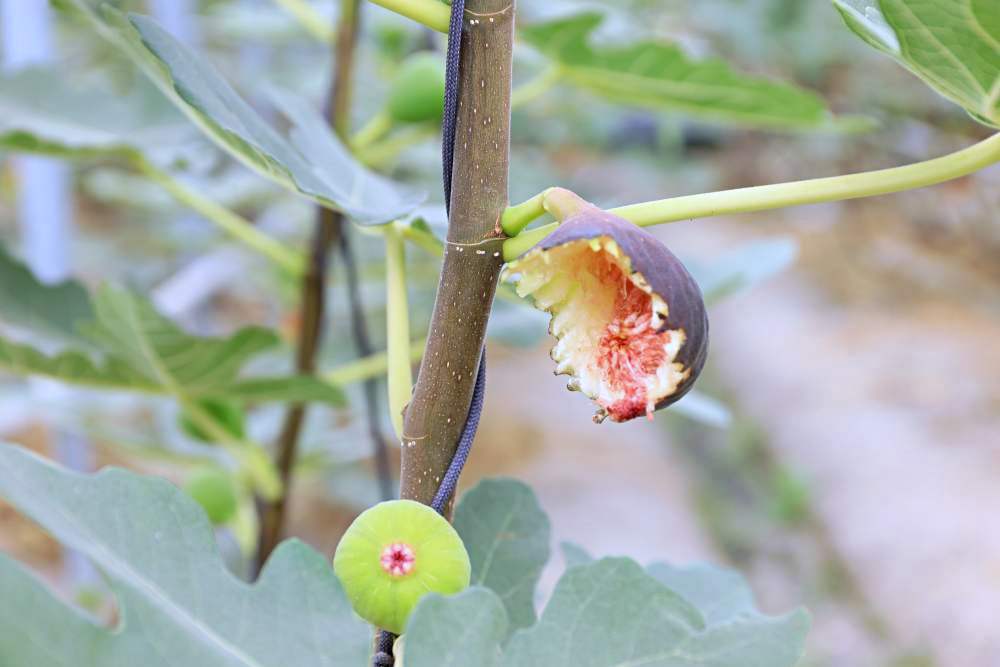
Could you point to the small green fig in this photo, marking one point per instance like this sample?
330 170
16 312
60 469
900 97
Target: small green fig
226 414
417 92
395 553
215 491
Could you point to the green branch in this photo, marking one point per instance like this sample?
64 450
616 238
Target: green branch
432 13
372 366
766 197
235 225
400 379
536 87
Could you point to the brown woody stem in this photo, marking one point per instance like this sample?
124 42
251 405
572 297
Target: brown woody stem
473 255
326 232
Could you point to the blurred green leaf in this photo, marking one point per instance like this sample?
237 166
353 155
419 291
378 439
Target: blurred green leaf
657 75
431 639
953 45
312 162
119 341
225 413
720 595
49 312
42 110
612 612
178 605
507 536
575 555
744 268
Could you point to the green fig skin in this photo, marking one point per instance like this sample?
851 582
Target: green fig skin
215 491
417 92
395 553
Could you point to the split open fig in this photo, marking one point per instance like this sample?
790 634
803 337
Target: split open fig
630 321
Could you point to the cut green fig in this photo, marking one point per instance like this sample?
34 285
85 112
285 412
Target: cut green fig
630 321
395 553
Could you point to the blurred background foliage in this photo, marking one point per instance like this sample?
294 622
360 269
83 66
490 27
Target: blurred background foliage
899 291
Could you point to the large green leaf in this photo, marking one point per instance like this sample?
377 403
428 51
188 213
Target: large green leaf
177 603
611 612
657 75
720 595
507 536
953 45
44 111
464 630
313 162
743 268
119 341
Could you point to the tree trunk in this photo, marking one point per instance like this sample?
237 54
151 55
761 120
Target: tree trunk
473 254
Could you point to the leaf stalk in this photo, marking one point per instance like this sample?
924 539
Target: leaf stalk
767 197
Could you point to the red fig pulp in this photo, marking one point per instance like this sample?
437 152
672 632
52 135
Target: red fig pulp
630 322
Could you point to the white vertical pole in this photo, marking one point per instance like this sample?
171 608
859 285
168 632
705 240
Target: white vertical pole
45 216
44 201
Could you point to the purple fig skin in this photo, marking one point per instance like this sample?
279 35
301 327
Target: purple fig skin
663 272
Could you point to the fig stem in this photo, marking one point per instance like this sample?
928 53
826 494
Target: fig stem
563 204
400 373
536 87
782 195
371 366
377 127
379 154
519 216
432 13
231 223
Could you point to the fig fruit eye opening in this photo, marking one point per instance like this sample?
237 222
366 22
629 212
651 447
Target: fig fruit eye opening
398 559
394 554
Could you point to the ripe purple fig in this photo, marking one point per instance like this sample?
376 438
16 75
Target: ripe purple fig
630 321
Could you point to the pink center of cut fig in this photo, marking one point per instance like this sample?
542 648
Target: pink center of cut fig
397 559
630 350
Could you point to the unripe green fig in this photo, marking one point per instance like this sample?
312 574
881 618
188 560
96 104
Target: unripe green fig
226 414
215 491
417 93
395 553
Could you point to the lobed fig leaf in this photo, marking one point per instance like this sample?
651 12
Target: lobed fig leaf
393 555
630 321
